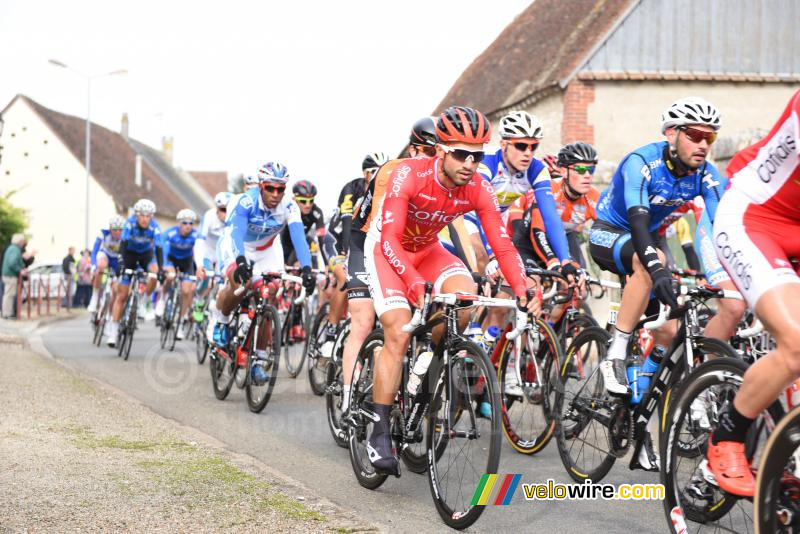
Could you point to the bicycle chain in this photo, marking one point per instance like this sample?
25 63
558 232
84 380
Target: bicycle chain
617 415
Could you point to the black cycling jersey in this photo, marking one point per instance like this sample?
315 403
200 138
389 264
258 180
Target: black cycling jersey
314 228
342 219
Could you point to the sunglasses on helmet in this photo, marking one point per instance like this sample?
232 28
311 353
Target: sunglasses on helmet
523 147
696 136
461 155
583 169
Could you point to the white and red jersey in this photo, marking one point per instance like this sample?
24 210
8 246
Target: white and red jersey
417 206
768 172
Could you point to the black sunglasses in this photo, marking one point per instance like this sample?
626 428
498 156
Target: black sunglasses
522 147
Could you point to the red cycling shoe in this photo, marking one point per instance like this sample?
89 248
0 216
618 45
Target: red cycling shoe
730 467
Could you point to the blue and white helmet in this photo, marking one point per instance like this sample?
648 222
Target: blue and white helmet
273 172
221 199
117 222
251 179
144 206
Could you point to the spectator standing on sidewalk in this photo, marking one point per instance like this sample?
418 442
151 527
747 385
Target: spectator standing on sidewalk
83 280
67 267
13 266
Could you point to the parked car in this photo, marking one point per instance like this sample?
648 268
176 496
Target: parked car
44 278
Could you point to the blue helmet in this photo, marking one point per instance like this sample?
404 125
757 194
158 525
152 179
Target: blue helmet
273 172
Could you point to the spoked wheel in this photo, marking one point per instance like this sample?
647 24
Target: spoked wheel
201 343
690 488
462 444
100 323
575 326
527 388
294 336
776 504
258 395
334 386
174 320
223 371
581 406
317 363
362 406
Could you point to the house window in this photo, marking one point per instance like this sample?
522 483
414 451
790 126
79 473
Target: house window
8 172
66 180
25 154
47 167
24 128
45 141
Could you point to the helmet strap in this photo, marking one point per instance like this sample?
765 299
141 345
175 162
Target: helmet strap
674 164
569 191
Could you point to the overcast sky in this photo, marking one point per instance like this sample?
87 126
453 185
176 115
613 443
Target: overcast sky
310 84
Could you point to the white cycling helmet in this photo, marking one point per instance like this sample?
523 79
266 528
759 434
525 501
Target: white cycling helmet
518 124
221 199
116 222
251 179
373 160
690 110
273 172
145 207
186 215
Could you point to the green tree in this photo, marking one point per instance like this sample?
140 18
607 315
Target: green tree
13 220
237 184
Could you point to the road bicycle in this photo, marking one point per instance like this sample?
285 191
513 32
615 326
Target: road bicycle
104 304
234 363
201 316
171 320
460 444
127 324
596 428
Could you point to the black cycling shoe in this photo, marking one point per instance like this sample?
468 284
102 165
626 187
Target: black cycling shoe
381 454
615 376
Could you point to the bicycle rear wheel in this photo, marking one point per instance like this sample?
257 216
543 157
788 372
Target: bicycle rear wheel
100 322
775 506
174 318
581 406
462 445
334 386
361 408
201 342
258 395
293 351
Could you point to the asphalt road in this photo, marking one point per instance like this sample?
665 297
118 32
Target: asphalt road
292 436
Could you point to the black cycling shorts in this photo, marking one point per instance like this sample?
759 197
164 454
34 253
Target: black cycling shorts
611 248
133 260
529 258
185 265
357 276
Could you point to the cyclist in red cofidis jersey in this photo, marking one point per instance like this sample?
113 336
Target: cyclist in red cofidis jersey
402 250
756 236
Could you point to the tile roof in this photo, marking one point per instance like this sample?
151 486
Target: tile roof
541 47
114 163
211 181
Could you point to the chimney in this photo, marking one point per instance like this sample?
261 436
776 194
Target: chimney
138 176
124 129
166 143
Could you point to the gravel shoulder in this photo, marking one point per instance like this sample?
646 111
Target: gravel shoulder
80 456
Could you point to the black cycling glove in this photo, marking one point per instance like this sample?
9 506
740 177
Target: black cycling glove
243 270
662 287
309 280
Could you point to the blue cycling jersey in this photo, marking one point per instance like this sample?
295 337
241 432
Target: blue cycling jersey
253 224
510 186
642 179
179 246
106 244
140 239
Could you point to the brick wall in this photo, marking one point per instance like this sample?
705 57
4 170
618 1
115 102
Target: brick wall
577 97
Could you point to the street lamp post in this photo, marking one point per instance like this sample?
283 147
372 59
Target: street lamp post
88 160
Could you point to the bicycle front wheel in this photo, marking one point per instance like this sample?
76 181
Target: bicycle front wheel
318 364
294 335
258 394
775 506
463 438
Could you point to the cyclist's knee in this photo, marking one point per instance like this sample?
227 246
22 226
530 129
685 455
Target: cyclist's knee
789 354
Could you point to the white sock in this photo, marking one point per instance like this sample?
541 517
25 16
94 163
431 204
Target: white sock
345 397
619 345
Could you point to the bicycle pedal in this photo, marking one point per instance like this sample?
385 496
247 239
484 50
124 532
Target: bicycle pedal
334 389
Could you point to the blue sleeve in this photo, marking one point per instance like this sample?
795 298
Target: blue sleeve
636 177
126 231
238 224
712 187
165 246
158 237
96 248
298 235
553 226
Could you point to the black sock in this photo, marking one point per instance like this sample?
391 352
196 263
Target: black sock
381 427
733 426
